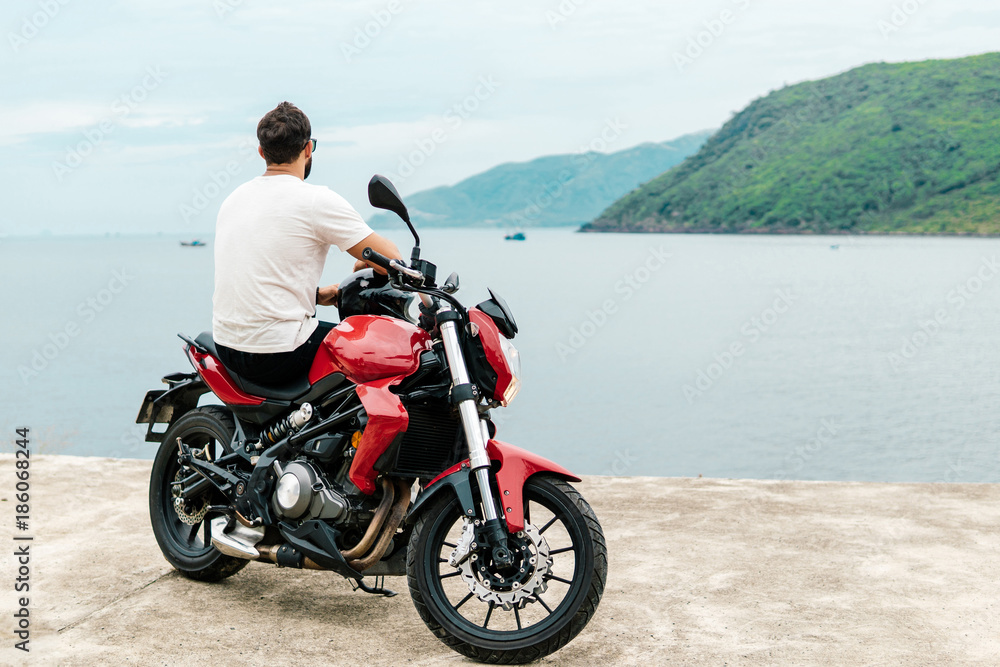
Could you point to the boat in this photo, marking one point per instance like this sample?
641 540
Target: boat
516 236
194 244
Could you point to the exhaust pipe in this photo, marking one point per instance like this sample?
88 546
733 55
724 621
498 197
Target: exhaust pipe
375 526
240 542
387 519
269 553
388 532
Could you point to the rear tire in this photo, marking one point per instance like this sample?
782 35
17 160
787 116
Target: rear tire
187 545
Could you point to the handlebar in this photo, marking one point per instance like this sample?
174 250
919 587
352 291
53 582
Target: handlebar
402 268
397 267
377 258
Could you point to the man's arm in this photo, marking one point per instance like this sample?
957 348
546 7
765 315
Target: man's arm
327 296
379 244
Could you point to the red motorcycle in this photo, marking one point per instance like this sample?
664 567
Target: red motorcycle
381 462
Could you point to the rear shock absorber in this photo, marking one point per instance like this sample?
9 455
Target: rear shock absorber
292 422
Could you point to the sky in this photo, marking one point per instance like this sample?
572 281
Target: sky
135 116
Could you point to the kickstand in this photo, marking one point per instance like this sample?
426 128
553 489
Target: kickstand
377 589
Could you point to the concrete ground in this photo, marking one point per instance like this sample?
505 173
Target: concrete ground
702 572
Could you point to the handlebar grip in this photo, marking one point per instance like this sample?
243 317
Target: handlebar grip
377 258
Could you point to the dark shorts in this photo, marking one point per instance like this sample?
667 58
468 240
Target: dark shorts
278 368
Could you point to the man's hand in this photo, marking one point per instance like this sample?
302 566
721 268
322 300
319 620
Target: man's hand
360 264
327 296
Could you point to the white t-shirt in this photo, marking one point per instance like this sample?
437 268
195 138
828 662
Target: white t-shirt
271 241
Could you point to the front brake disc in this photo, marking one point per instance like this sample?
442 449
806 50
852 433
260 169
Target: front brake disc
483 584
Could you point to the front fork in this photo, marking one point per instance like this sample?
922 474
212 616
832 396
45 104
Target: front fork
476 434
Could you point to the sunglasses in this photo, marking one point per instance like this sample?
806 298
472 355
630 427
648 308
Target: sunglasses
311 141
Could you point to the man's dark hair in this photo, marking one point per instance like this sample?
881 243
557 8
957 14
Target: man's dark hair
283 133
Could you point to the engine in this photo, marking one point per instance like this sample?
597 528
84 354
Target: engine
303 493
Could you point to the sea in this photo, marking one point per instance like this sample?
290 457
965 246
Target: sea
867 358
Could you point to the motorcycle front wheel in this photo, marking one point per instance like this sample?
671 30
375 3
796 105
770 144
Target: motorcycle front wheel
518 613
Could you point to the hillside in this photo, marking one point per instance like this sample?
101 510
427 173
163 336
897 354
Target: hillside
549 191
907 148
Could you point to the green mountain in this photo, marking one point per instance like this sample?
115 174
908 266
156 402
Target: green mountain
549 191
911 148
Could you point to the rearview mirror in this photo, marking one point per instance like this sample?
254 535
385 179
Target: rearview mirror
382 194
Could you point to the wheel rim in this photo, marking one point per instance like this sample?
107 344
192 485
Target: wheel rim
194 539
536 613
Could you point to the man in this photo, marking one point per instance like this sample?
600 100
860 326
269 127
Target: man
271 241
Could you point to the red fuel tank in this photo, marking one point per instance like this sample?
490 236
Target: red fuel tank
374 352
366 348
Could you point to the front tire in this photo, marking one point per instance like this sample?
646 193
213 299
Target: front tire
184 534
560 579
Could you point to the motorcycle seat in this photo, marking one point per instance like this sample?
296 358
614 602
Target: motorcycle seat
287 392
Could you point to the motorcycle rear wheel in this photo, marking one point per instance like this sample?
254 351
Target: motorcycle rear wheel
187 545
543 622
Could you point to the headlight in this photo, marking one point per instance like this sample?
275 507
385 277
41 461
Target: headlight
514 364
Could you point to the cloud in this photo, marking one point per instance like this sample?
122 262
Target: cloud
162 118
19 122
560 82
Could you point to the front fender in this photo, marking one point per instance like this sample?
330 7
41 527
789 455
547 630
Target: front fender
515 466
458 479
